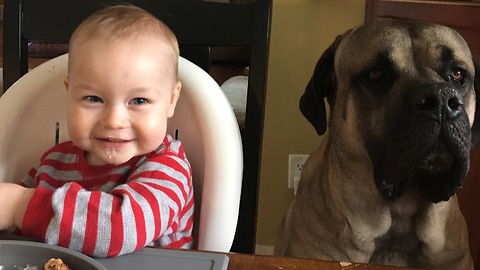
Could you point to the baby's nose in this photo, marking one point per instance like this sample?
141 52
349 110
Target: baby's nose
115 117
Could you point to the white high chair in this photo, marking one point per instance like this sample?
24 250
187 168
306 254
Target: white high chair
203 120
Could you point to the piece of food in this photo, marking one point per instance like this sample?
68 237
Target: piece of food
27 268
55 264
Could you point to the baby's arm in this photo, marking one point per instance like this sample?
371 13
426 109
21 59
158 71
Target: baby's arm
110 224
14 200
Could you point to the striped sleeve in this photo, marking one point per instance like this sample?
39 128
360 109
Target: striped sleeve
154 206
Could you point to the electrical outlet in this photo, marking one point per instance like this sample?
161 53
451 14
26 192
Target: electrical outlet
295 167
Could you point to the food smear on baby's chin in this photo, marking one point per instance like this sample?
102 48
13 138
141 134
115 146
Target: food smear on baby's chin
110 152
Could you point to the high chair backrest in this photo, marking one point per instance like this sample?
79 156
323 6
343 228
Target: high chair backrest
213 34
34 115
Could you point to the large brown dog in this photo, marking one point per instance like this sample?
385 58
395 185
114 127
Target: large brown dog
381 186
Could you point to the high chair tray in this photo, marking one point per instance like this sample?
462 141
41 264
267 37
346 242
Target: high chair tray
154 258
17 254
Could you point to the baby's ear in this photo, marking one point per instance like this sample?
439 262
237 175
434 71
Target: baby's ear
174 98
65 82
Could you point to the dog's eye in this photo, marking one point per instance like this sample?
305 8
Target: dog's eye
457 75
374 75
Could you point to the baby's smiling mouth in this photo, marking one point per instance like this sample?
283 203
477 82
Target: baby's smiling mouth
109 139
113 142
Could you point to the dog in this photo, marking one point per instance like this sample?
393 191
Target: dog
381 186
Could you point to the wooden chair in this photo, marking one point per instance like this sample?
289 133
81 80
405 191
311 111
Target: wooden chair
463 16
201 28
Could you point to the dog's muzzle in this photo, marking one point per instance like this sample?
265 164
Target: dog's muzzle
427 145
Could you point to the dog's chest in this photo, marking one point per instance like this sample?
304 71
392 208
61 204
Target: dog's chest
400 245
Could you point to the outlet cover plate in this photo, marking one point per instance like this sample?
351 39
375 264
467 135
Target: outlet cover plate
295 167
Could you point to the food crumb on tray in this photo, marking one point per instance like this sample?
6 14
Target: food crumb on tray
52 264
55 264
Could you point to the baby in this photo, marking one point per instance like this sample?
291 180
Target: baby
121 183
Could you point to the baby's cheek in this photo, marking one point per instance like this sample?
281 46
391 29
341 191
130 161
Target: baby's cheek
151 137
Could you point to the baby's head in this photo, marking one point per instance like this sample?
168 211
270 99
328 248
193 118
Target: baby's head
122 84
123 23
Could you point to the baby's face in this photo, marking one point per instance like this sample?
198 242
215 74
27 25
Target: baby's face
120 95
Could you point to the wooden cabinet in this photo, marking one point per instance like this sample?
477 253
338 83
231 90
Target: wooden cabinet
463 16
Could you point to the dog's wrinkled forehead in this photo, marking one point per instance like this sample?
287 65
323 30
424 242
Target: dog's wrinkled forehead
406 44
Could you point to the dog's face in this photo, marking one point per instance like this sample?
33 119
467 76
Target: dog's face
402 94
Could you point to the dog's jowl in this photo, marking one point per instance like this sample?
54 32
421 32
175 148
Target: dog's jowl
381 187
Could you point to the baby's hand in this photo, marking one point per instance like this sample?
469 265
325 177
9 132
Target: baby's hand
14 200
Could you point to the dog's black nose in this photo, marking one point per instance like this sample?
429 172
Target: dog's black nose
438 101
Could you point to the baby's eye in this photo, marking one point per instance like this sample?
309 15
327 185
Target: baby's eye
139 101
93 99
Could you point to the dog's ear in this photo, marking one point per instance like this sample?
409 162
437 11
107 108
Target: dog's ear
321 85
476 121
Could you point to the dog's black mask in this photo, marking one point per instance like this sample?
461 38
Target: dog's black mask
427 144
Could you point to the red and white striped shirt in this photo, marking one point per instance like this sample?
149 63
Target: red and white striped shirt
108 210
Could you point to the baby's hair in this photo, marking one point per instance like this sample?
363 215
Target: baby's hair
122 22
